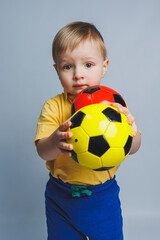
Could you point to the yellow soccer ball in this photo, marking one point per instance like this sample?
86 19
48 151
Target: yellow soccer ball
102 137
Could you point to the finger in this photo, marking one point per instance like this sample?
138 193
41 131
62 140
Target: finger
116 104
126 112
130 118
64 135
65 146
67 153
64 126
120 108
134 129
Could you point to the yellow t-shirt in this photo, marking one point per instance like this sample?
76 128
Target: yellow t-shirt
55 111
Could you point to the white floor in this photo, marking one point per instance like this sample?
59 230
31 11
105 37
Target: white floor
20 228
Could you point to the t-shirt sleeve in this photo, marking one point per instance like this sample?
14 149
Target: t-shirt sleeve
48 120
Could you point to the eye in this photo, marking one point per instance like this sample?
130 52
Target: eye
67 67
89 65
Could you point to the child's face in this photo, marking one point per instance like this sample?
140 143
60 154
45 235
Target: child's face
81 68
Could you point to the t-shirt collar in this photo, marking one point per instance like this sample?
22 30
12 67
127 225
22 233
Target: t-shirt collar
68 96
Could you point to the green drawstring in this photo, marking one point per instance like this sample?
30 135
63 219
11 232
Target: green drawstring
77 190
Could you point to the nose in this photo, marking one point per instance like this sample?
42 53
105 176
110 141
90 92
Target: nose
78 73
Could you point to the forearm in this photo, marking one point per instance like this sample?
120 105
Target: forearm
136 143
49 148
46 149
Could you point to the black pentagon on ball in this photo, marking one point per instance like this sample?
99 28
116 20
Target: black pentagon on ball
74 156
103 169
91 90
128 145
119 99
98 145
77 119
112 114
73 109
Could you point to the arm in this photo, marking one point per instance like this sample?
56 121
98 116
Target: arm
136 142
136 133
49 148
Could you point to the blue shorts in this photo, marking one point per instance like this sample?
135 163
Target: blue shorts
73 213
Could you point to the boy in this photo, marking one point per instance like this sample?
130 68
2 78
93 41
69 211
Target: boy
80 60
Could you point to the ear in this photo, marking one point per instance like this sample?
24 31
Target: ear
105 67
56 68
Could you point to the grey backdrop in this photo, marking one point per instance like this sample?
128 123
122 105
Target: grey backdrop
27 79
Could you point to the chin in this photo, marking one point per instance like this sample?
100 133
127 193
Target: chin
78 91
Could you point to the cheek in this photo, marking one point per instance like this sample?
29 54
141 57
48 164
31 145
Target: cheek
65 80
97 74
63 77
95 80
98 70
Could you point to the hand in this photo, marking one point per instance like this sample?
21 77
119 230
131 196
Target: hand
129 116
59 138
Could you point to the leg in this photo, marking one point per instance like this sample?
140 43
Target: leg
63 231
59 224
100 214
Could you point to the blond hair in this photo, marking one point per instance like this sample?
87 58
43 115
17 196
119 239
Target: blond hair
71 35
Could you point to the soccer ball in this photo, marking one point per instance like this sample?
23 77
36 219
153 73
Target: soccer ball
96 94
102 137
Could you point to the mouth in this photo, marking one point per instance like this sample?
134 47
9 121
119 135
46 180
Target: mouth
80 85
